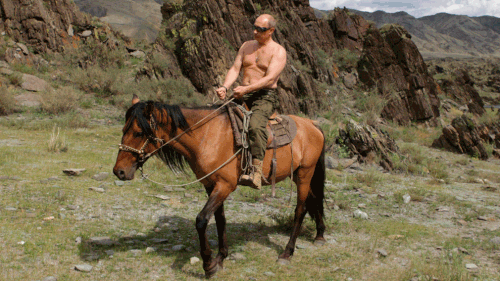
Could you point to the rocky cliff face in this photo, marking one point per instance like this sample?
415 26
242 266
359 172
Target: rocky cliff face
205 35
44 25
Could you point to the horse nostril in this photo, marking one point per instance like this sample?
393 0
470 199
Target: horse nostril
120 174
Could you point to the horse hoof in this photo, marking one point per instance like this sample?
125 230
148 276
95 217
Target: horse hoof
283 261
211 272
319 242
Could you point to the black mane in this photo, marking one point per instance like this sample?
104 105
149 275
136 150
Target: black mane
175 161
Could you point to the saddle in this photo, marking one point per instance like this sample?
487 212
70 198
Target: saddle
281 128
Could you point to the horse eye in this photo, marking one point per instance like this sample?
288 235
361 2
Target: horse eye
138 134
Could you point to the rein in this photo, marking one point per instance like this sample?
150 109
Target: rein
143 156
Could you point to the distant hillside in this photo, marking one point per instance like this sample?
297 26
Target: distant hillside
444 34
138 19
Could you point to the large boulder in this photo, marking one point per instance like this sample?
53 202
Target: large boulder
462 136
368 143
462 90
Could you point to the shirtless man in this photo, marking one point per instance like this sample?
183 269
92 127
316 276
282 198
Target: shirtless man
262 61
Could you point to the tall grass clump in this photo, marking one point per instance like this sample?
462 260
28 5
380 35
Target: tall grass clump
61 100
57 143
7 102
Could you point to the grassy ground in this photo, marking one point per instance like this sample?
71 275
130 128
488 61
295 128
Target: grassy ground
43 212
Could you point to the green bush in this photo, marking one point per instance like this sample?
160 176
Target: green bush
59 101
7 102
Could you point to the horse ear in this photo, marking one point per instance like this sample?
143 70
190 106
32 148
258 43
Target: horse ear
135 99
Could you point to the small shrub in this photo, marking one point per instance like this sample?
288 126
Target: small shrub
16 79
345 59
56 143
7 102
59 100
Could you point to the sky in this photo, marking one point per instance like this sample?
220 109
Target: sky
419 8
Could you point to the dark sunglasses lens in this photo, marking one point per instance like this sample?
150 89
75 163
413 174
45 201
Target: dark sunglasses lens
260 29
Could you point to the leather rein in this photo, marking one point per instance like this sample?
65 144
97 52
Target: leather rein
143 156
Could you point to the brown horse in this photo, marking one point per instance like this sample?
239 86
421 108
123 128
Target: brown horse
209 144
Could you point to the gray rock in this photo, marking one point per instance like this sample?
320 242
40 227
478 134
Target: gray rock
50 278
71 32
360 214
331 163
10 208
109 252
33 83
72 207
78 240
136 252
382 252
84 267
102 241
73 172
350 80
119 183
4 64
406 198
138 54
178 248
97 189
28 99
23 48
471 266
269 273
150 250
6 71
86 33
194 260
101 176
237 256
495 240
158 240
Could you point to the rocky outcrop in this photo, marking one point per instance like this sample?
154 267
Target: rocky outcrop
205 35
461 89
42 25
368 143
463 136
392 63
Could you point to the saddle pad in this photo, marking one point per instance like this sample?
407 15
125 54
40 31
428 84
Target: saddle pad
283 128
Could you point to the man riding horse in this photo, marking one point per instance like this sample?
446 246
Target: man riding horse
262 61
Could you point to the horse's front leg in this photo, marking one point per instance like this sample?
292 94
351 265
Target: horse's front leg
213 205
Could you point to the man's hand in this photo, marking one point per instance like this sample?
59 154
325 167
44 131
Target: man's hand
221 92
239 91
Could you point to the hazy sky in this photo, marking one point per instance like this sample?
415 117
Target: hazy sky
418 8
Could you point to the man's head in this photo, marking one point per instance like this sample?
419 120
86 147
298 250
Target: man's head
264 27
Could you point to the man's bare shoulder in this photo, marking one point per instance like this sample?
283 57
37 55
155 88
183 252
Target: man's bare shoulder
249 44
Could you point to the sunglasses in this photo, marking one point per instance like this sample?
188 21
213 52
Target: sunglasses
261 29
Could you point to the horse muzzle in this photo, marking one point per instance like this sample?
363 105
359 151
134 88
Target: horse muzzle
124 174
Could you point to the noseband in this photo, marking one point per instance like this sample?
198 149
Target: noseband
142 155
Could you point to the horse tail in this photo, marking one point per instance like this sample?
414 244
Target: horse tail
314 202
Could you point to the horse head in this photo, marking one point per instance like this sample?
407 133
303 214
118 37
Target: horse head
139 140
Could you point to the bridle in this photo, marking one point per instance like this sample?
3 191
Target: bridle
143 156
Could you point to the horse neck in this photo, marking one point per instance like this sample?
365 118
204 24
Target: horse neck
201 127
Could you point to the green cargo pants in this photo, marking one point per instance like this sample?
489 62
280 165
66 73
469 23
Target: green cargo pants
262 103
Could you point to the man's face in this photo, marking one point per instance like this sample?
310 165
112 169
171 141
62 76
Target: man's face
261 30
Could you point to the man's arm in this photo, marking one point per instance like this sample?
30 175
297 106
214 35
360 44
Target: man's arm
274 70
232 74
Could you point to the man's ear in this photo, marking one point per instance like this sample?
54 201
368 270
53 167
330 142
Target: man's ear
135 99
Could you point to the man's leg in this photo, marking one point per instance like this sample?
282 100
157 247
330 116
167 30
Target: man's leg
262 109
